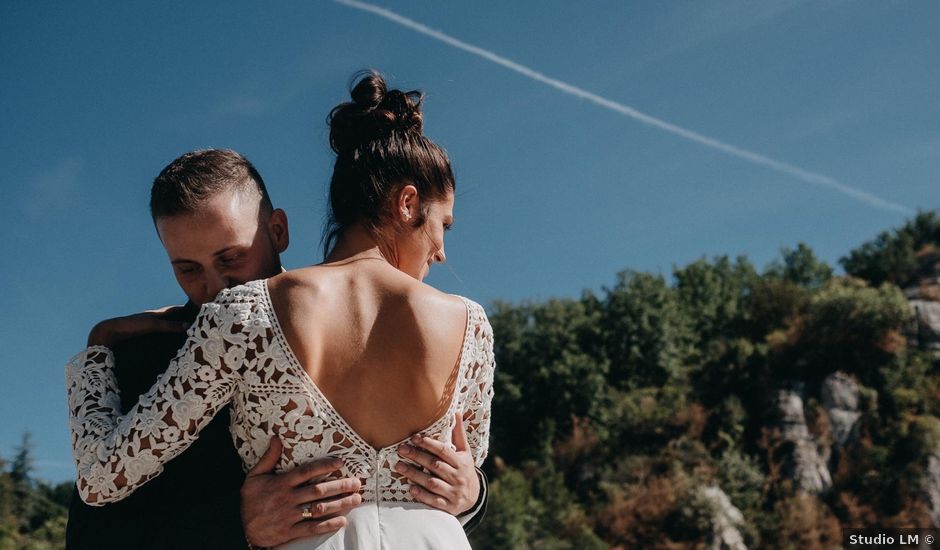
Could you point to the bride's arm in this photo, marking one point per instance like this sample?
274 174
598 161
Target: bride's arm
444 485
476 414
116 454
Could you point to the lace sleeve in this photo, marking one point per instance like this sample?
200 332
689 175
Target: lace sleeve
476 414
116 454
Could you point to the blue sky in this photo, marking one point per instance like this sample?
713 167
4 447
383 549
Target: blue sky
555 193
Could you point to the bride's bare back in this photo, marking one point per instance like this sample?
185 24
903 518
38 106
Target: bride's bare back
382 347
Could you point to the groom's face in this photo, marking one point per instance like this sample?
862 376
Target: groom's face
227 242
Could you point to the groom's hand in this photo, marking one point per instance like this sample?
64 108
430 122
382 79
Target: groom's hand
452 485
272 504
114 331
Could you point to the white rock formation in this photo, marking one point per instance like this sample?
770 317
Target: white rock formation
840 399
932 487
805 466
927 324
726 519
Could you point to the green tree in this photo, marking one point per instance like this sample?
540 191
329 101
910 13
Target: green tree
512 514
547 375
849 326
22 467
647 337
800 266
712 295
893 255
9 524
32 513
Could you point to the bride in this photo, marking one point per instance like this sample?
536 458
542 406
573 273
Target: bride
344 359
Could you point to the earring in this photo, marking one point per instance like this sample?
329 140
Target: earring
404 212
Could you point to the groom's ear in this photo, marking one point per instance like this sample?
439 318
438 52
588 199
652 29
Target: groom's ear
278 230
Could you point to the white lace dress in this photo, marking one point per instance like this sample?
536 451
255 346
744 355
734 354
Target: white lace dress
237 354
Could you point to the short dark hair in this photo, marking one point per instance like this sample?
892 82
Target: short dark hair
192 179
380 146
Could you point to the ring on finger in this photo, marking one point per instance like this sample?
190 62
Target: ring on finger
306 511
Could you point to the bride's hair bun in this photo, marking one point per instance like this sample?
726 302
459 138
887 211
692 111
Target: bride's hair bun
381 147
374 113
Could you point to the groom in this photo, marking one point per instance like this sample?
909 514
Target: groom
215 220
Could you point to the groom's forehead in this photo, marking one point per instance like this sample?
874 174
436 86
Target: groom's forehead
229 218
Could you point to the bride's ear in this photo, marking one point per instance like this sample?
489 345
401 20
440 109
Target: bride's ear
407 204
278 230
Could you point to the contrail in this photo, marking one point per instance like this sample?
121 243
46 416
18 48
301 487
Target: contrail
626 110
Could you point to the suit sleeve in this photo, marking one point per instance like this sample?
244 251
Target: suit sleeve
472 517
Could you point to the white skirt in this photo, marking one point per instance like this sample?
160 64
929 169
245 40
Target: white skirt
390 526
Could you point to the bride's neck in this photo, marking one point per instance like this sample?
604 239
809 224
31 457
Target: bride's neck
358 242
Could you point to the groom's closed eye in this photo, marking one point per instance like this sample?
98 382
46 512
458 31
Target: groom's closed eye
230 259
186 268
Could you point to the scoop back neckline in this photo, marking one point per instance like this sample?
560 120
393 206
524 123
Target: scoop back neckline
317 393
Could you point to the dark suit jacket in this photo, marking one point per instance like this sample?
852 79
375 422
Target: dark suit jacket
194 502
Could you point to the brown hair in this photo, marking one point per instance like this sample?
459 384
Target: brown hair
380 147
195 177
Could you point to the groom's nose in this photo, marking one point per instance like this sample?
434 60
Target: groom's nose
214 283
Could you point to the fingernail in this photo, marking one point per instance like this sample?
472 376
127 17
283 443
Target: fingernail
416 439
399 467
405 449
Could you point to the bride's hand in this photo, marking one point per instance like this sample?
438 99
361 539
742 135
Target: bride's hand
109 332
454 486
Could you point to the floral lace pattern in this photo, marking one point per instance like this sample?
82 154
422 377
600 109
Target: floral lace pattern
237 354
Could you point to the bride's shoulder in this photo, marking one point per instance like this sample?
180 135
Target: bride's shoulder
247 293
305 282
459 306
428 297
236 304
477 321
